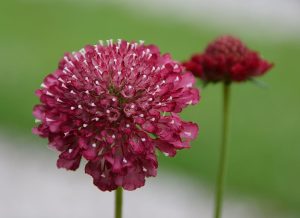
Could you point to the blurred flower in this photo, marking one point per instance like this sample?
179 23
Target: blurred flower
113 105
227 59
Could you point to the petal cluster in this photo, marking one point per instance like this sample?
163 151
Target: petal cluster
227 59
114 105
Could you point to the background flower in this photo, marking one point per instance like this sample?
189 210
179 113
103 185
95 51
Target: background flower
227 59
114 105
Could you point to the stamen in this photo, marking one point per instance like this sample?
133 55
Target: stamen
188 133
49 93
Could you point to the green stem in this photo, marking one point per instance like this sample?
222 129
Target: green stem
118 202
223 153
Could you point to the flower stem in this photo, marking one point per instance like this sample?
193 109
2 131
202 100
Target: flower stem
223 153
118 202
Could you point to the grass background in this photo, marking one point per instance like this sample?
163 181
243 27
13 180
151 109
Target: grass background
265 123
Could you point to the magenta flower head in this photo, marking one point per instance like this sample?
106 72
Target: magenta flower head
227 59
114 105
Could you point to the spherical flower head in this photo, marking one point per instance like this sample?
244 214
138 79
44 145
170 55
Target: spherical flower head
114 105
227 59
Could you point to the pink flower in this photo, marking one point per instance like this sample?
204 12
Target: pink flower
114 105
227 59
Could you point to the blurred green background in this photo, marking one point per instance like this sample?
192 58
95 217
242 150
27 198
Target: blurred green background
265 123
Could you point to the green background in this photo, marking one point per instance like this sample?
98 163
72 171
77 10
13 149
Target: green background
264 138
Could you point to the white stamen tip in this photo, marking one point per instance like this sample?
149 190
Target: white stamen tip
79 106
94 145
43 85
72 108
188 133
49 93
127 125
143 139
70 150
37 121
141 115
84 125
108 111
49 120
113 136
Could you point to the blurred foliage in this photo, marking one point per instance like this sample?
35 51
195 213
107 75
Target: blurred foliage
265 123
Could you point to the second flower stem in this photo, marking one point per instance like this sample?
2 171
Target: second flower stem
223 153
118 202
